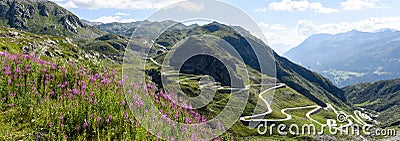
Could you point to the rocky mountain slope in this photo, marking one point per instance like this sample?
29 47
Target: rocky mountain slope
352 57
304 87
43 17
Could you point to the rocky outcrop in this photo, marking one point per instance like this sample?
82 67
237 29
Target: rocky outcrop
72 23
40 16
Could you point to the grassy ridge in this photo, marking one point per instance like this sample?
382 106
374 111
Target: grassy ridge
381 97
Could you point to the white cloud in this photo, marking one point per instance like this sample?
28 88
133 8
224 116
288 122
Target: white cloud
116 18
302 5
117 4
68 4
289 5
188 6
351 5
277 27
57 0
111 19
261 10
317 7
277 34
372 24
122 14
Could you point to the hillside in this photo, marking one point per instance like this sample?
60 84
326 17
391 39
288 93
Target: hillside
43 17
382 97
310 84
126 29
44 46
109 45
66 82
352 57
57 100
303 87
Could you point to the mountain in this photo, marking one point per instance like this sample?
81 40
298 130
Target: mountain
91 23
352 57
281 48
43 17
382 97
312 85
148 28
124 29
45 47
303 87
110 46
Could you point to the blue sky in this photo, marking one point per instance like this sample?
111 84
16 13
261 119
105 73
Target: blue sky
285 23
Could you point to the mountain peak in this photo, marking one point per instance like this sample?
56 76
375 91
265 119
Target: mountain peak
354 31
351 57
214 26
40 16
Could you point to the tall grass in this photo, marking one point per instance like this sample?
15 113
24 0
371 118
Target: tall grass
66 101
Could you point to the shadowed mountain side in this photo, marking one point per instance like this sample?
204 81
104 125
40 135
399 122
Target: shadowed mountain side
251 49
382 97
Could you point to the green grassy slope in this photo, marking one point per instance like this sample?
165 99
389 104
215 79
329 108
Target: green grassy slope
314 86
382 97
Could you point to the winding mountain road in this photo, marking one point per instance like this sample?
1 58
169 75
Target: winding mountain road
256 118
248 118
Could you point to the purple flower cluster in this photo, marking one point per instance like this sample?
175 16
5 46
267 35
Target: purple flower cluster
73 93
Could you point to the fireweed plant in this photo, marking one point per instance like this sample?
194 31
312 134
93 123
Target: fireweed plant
66 101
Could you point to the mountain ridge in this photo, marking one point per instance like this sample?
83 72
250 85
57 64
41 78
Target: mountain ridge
381 96
304 87
43 17
352 57
322 90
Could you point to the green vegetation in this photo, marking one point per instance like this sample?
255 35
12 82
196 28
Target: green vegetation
148 30
339 76
382 97
352 57
107 46
57 84
312 85
44 46
59 100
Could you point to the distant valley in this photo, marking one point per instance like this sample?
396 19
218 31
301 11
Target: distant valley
352 57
